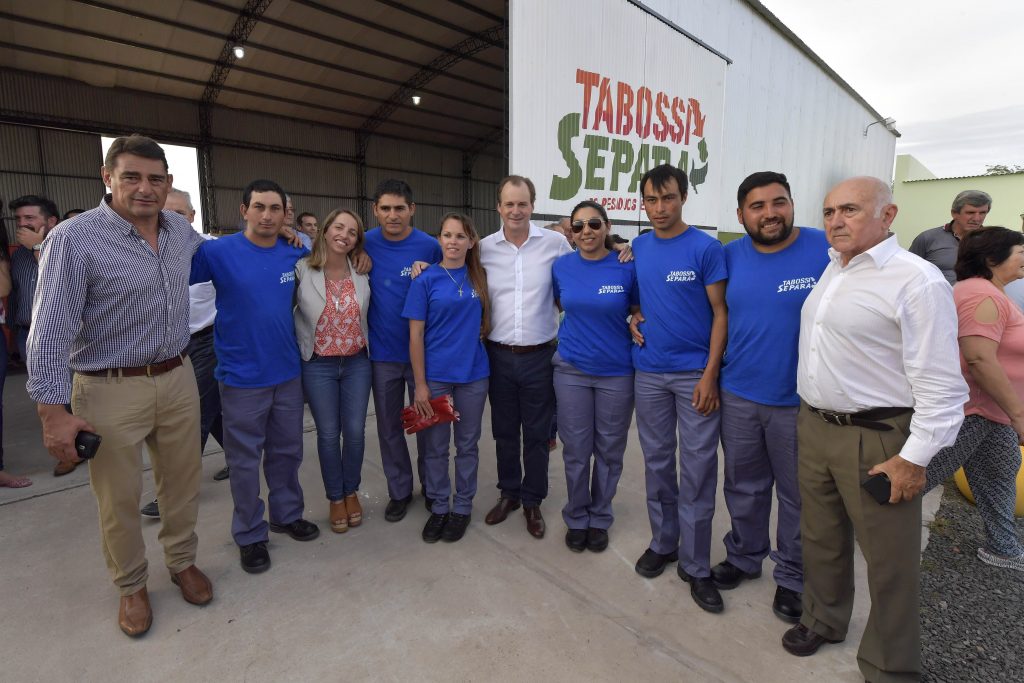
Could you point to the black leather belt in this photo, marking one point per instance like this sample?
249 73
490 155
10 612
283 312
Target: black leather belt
868 419
203 332
521 349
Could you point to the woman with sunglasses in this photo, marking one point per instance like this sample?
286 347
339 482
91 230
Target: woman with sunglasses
330 325
593 373
448 311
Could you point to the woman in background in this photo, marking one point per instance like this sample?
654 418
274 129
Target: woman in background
991 336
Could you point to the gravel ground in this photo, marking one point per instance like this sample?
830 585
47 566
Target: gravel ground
972 615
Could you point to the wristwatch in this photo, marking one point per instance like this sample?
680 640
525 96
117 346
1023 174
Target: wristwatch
37 247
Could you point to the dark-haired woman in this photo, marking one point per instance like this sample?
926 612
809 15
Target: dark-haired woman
593 374
6 480
330 325
448 311
991 334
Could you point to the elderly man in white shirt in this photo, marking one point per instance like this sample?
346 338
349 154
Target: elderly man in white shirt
524 323
881 389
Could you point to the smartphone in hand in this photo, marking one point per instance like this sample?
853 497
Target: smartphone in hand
879 487
86 444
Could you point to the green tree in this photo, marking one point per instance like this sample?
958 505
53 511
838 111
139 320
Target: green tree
1003 169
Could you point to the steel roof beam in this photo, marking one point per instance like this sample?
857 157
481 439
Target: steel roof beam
242 69
391 30
446 60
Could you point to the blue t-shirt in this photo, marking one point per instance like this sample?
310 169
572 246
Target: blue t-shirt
596 296
672 274
254 332
765 294
453 351
389 283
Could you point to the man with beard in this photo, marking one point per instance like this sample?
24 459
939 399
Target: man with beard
771 271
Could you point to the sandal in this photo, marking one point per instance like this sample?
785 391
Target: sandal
355 510
339 517
12 482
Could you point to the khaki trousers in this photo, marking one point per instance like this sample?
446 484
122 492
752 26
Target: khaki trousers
163 413
833 461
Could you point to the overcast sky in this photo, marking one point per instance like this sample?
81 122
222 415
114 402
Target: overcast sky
950 72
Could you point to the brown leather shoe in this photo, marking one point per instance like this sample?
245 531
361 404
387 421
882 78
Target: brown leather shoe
534 521
64 467
339 516
355 509
803 642
135 615
499 513
194 585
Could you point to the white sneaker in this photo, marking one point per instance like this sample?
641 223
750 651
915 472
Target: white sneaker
1015 563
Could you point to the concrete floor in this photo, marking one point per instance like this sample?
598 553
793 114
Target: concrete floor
376 603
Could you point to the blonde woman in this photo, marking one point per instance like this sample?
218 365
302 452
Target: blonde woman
330 324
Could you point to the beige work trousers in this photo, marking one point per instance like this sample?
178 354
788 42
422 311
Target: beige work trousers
833 461
163 413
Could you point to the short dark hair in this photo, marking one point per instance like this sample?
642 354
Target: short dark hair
298 219
139 145
983 248
395 187
262 186
660 175
518 180
46 206
761 179
70 213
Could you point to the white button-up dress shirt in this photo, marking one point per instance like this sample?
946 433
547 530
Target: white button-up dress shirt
882 332
523 311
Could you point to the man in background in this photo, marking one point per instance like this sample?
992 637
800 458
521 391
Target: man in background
202 311
940 245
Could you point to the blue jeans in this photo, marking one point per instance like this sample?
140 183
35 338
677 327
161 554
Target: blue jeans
338 391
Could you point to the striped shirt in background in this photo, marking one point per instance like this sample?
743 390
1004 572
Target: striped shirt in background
24 272
105 300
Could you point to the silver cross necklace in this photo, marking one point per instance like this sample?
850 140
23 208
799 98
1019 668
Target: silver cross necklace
453 280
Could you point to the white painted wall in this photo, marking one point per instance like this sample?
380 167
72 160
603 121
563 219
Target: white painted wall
782 112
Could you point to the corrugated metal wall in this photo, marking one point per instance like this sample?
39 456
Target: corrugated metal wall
61 165
315 163
782 111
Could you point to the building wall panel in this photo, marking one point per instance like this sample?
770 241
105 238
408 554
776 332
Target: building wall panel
782 111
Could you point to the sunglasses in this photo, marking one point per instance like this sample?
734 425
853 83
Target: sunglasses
593 224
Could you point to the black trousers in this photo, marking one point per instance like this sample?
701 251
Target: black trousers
522 406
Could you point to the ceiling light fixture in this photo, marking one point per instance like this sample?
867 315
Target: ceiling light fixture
416 100
239 51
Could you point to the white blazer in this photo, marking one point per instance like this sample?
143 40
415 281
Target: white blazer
311 298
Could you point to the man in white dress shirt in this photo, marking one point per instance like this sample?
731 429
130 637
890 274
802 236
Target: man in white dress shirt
881 389
524 323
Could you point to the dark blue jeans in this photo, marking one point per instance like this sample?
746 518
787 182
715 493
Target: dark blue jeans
204 362
338 391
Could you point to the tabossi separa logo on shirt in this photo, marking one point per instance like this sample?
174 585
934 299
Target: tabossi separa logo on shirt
681 276
406 272
796 284
288 276
611 289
